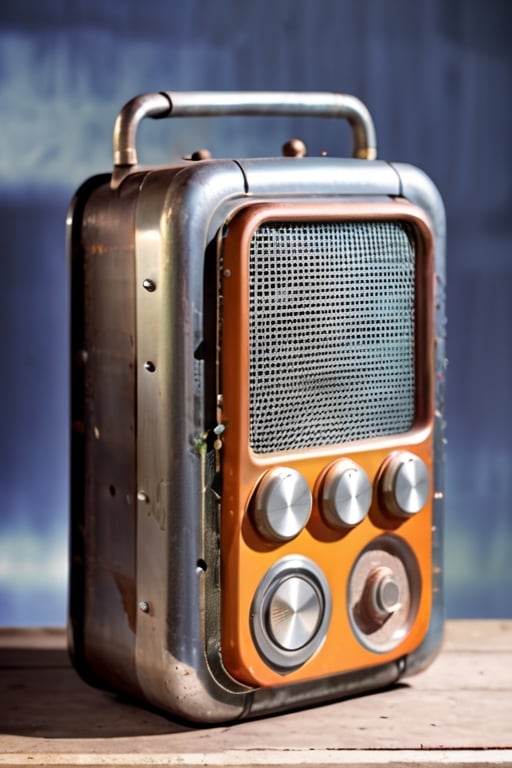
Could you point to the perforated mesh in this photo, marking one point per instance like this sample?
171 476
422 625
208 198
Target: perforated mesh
331 333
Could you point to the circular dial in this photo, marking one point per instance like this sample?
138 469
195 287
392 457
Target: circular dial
282 504
290 612
346 494
405 485
294 612
384 592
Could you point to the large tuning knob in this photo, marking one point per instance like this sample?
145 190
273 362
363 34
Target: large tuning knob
290 613
294 612
404 485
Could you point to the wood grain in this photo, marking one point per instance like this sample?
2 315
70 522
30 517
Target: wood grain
459 711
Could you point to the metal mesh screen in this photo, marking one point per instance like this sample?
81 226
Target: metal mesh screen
331 333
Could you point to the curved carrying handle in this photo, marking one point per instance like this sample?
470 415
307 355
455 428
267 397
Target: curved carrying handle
208 103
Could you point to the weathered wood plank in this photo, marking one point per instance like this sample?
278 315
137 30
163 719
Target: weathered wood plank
265 758
460 708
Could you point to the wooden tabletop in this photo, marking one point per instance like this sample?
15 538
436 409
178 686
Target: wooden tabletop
458 712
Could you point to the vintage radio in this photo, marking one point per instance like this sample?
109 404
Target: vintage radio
257 428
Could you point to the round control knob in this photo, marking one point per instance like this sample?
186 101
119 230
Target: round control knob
290 613
346 494
282 504
381 594
405 485
294 613
384 593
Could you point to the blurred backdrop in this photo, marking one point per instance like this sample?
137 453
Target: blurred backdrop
436 76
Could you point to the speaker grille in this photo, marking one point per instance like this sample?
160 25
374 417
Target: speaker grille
331 329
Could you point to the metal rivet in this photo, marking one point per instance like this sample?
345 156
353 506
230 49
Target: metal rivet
294 148
201 154
149 285
142 496
227 273
149 366
144 606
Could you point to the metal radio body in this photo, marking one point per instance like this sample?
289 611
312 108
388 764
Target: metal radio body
257 429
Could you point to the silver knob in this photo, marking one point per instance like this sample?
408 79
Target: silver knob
346 494
405 485
282 504
290 613
294 613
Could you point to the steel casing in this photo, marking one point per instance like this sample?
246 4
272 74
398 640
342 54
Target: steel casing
151 607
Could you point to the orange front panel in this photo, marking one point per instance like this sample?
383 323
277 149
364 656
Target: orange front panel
248 555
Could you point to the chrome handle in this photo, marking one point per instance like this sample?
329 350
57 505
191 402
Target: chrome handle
212 103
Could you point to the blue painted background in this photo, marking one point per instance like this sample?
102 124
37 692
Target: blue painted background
436 76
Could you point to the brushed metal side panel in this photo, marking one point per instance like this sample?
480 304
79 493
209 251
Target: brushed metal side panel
173 222
102 594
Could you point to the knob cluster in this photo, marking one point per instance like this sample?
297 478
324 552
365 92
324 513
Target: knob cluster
282 503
